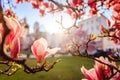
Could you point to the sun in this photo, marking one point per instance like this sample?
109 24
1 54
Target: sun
52 26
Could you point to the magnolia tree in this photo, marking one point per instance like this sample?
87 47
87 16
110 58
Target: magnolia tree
11 34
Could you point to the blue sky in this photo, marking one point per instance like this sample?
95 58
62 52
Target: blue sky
32 15
25 10
46 23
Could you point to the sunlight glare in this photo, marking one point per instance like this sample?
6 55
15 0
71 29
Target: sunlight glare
52 26
67 21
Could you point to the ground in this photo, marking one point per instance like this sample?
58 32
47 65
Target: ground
67 69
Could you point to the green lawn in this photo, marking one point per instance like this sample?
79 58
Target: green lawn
67 69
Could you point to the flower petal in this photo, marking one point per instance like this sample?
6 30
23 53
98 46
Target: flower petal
39 49
52 51
15 47
89 74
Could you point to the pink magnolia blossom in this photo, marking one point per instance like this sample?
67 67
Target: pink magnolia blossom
40 49
13 24
75 2
13 39
108 23
116 7
69 11
100 71
10 13
116 77
118 33
46 4
15 28
19 1
42 12
35 3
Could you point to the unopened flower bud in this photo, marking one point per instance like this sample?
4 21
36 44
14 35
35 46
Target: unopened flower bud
94 37
12 63
18 65
13 70
58 60
103 29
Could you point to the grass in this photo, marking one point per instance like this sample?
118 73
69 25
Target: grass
67 69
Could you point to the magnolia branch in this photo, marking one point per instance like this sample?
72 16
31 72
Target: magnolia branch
75 9
19 62
117 70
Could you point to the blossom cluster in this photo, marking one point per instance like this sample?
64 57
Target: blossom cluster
102 71
39 48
